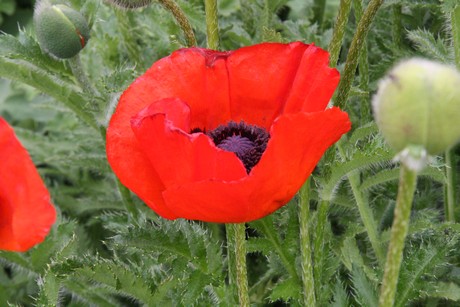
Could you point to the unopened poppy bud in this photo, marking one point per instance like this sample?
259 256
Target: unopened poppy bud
130 4
61 30
418 103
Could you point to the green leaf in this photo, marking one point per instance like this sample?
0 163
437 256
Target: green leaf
286 290
429 46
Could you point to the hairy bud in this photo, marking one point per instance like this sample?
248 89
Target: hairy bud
61 31
418 103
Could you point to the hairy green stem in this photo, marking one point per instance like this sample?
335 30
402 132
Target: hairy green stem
354 51
365 211
366 216
127 28
450 197
318 245
77 70
363 70
127 199
396 26
305 248
450 185
319 6
455 26
181 19
339 30
407 184
212 25
290 267
231 265
240 261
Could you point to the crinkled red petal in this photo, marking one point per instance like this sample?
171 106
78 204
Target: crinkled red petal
260 79
26 213
297 143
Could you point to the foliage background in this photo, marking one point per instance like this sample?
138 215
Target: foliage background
100 254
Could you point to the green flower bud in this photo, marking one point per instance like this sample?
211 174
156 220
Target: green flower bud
61 31
418 103
130 4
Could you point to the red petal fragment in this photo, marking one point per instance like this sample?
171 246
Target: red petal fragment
196 76
179 157
26 213
314 83
260 78
297 143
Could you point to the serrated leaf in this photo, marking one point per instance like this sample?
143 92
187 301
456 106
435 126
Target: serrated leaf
286 290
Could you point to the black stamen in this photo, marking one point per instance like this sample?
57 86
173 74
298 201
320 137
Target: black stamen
246 141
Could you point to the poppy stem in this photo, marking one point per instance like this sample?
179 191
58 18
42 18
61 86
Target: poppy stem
79 74
407 184
212 25
305 248
450 197
339 30
240 261
127 199
126 23
230 234
365 211
181 19
397 27
450 186
455 26
354 51
319 7
318 244
363 70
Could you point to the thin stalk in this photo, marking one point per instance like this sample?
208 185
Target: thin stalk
366 216
279 249
339 31
127 28
450 186
354 51
363 70
127 200
305 248
240 261
230 234
181 19
365 211
319 6
77 70
450 198
212 25
318 245
455 26
407 184
396 26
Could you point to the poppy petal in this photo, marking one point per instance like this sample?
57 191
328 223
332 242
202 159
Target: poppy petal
26 213
314 83
297 143
179 157
193 75
260 78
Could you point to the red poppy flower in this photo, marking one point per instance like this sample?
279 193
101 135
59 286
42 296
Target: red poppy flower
26 214
225 136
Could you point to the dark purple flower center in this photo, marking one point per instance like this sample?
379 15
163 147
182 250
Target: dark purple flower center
248 142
